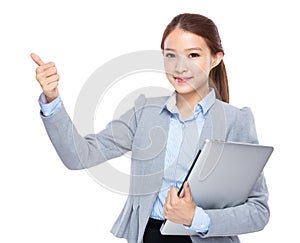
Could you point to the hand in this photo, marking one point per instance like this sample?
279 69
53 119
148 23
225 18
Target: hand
180 210
46 75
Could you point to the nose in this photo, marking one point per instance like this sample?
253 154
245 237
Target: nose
181 64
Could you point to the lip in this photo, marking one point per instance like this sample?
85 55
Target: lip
182 80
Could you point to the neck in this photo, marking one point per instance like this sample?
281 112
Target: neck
186 102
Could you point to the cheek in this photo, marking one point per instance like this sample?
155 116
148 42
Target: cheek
169 67
200 69
170 78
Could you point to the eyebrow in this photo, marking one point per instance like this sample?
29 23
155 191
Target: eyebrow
189 49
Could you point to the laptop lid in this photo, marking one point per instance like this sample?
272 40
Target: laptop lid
222 175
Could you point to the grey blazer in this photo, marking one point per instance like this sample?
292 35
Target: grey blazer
143 131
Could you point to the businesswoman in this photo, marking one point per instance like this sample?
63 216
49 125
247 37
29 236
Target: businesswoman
197 110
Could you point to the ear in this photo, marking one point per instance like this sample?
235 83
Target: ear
216 60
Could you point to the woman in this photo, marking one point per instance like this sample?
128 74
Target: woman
197 110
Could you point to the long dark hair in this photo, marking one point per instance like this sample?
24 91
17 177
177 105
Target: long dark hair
206 28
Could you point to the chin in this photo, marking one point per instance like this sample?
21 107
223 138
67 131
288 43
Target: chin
185 91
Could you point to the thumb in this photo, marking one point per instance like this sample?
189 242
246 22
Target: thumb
36 59
187 191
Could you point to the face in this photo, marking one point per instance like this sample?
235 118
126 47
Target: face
188 61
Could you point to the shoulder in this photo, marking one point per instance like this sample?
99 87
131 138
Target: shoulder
242 114
150 104
240 122
142 100
149 107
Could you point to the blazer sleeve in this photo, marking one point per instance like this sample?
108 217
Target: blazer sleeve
78 152
254 214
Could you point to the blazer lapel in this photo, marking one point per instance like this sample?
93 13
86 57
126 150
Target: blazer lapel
214 127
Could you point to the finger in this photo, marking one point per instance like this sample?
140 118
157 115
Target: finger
44 77
167 205
50 89
47 81
45 67
47 72
173 195
187 191
174 191
52 79
36 59
168 198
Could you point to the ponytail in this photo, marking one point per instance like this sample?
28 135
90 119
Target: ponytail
218 80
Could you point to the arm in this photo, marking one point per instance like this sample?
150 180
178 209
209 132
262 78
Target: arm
249 217
75 151
79 152
254 214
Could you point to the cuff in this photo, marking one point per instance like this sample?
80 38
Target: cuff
49 108
201 221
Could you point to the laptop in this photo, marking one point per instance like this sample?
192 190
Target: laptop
222 175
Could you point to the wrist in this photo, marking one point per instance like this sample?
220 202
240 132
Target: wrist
51 96
201 221
191 218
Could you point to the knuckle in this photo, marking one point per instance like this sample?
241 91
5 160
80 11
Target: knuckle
38 69
51 70
39 77
56 77
52 78
173 190
169 207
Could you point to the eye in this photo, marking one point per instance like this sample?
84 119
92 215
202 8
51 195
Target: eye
169 55
194 55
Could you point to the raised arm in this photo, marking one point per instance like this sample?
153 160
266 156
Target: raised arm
80 151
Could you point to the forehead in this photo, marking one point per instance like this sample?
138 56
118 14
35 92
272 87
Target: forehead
181 39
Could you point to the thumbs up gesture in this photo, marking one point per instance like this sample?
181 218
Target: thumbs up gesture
180 210
46 75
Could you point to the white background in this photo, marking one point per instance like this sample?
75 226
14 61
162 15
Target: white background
42 201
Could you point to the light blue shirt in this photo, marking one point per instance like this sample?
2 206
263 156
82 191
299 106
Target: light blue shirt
182 133
49 108
175 171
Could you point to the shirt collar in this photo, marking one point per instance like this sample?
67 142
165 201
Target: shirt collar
203 106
